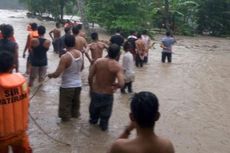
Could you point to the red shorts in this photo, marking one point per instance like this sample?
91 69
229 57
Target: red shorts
18 143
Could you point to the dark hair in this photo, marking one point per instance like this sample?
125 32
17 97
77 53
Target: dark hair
139 35
168 33
57 24
144 32
94 36
7 31
144 107
127 45
41 30
67 29
34 26
79 26
75 30
6 61
113 51
69 41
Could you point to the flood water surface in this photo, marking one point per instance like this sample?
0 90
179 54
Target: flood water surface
194 95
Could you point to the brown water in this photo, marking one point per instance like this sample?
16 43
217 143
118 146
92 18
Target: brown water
194 94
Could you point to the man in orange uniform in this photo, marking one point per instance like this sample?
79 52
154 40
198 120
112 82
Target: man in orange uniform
14 103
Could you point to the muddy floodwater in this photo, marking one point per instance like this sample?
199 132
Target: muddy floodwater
194 95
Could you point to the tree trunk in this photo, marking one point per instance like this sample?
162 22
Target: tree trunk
62 6
167 17
81 6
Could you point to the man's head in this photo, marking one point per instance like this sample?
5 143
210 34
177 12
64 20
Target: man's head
6 62
79 26
34 26
75 30
139 35
144 109
67 30
41 30
113 51
7 31
127 46
69 41
94 36
144 32
168 33
58 25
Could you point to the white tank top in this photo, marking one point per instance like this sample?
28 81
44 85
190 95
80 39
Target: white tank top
71 77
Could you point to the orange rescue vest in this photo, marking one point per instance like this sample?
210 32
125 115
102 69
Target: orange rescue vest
32 34
14 103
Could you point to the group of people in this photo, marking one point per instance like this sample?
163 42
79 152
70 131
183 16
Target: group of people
106 75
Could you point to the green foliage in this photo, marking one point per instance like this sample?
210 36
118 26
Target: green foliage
214 17
120 14
53 7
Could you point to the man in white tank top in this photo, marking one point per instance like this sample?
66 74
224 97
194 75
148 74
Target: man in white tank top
70 66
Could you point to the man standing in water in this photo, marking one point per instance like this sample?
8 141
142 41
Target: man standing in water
96 48
70 66
55 35
38 57
102 78
166 45
144 114
140 51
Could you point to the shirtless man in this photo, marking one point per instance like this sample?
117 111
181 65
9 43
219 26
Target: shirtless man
102 78
55 35
81 43
144 114
140 51
96 48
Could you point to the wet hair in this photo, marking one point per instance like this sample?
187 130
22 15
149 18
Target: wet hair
1 26
69 41
41 30
75 30
144 108
168 33
6 61
118 30
7 31
127 45
79 26
67 29
132 32
57 24
144 32
139 35
94 36
113 51
34 26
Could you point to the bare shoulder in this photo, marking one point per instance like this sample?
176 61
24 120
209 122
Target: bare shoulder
167 144
119 146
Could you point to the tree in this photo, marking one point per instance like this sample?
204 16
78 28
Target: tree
214 17
120 14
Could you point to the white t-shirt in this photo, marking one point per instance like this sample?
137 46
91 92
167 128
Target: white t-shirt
128 66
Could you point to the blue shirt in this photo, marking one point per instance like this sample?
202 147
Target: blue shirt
168 42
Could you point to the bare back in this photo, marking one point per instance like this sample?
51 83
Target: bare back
105 71
81 43
96 49
147 144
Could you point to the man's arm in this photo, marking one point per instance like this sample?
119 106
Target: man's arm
92 72
26 46
16 58
61 67
120 79
51 36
